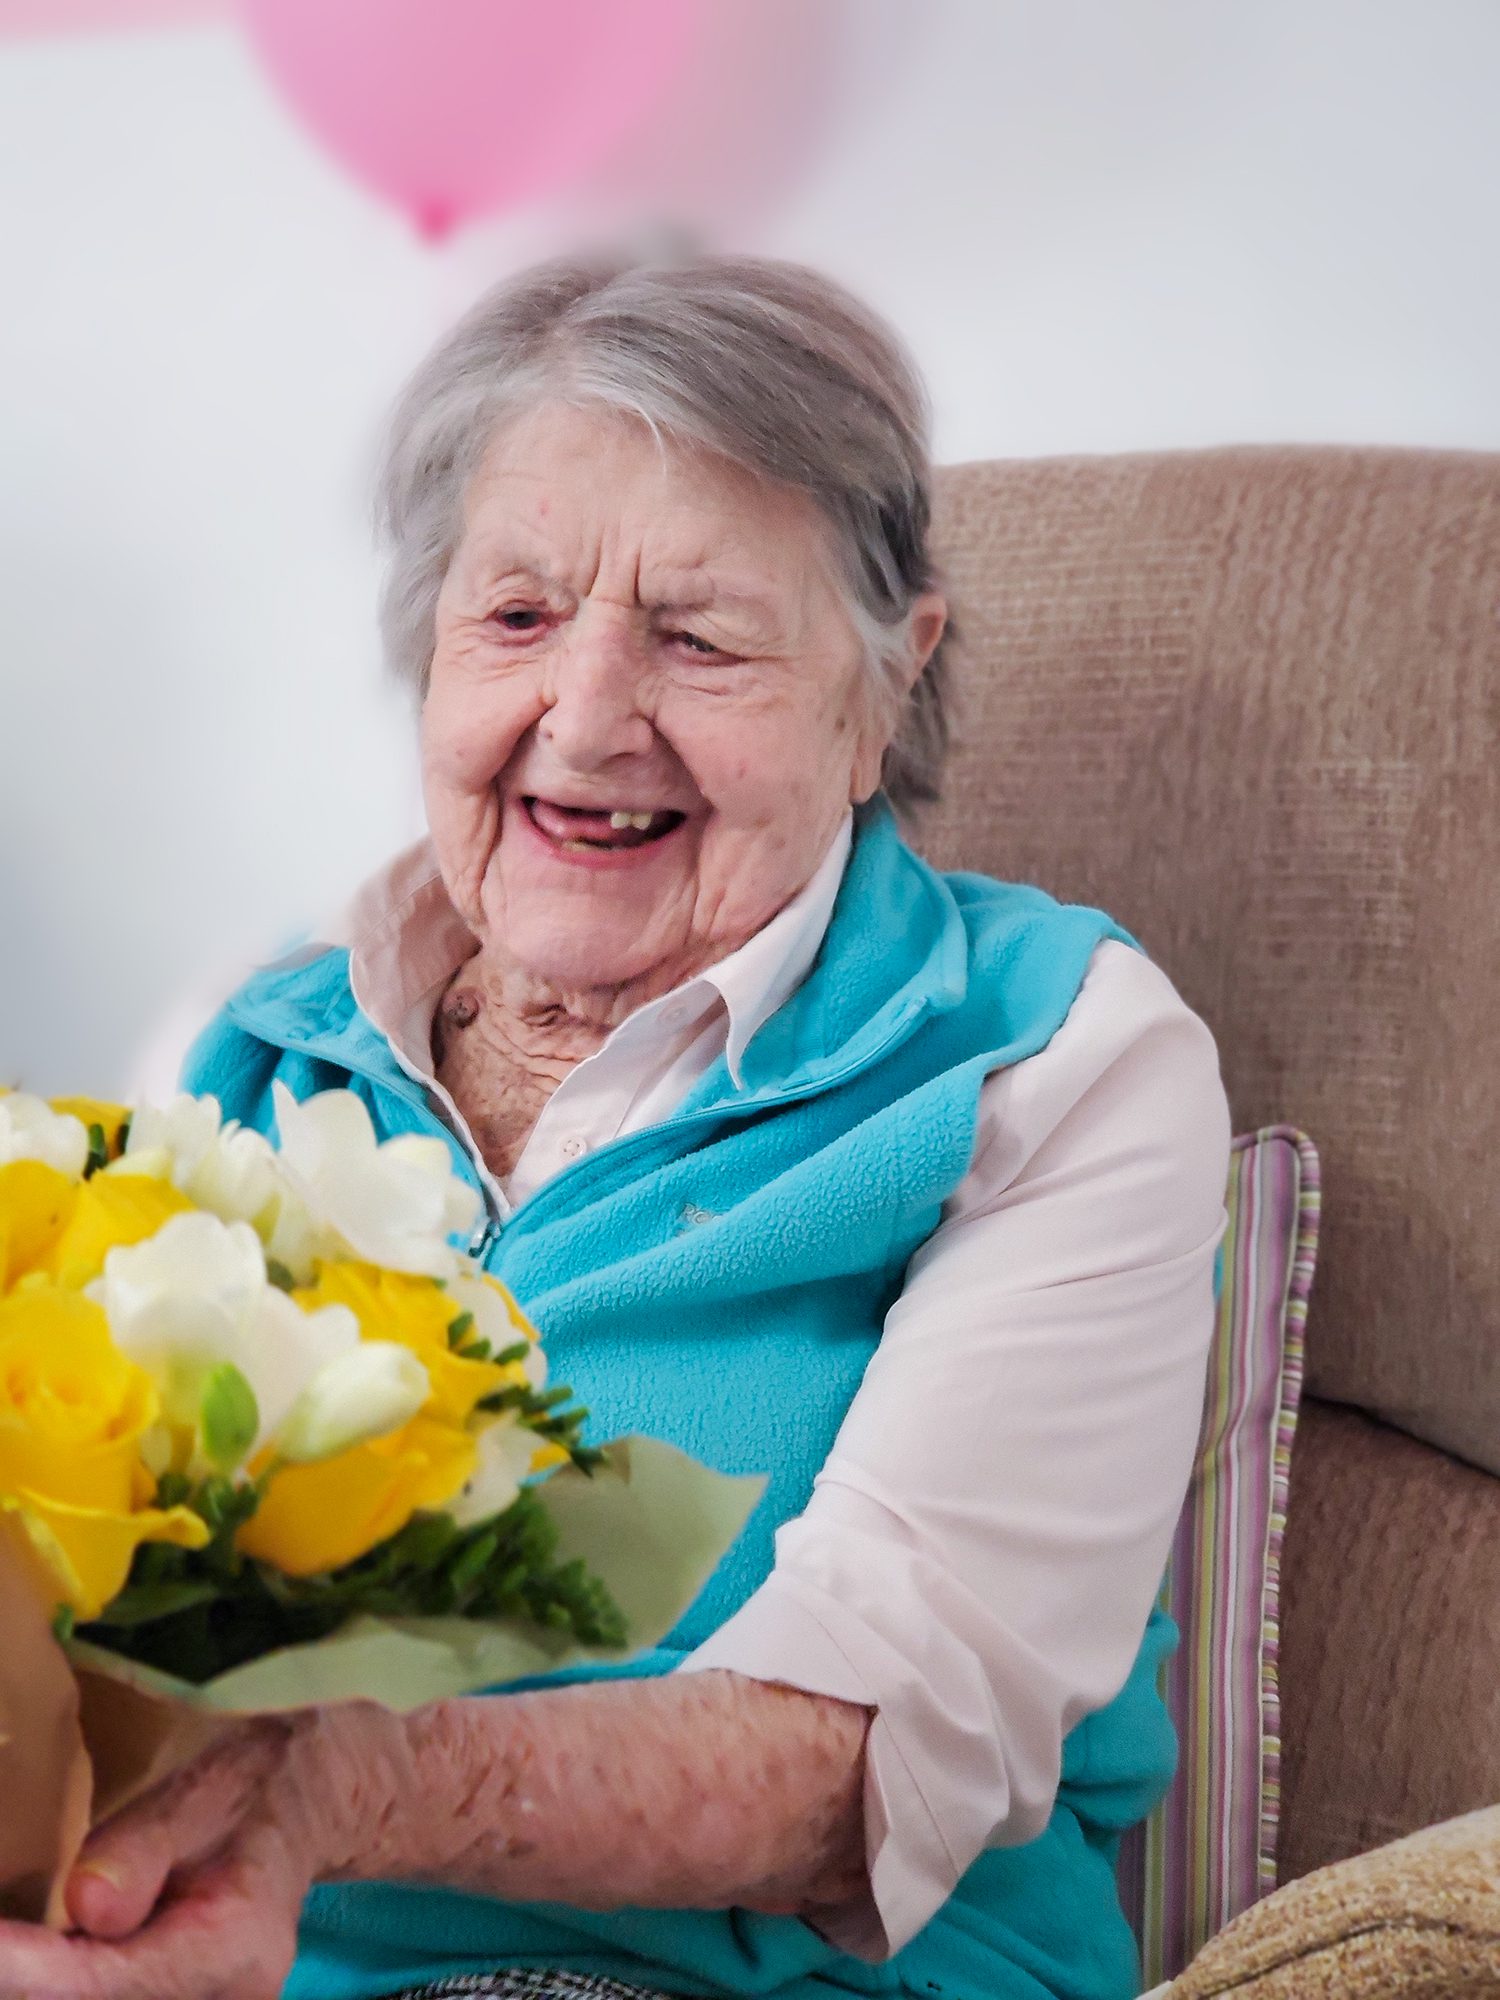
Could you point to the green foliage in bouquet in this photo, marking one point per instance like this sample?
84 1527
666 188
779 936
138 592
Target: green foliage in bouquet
197 1613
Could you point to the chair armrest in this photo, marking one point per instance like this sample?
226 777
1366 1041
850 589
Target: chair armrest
1419 1917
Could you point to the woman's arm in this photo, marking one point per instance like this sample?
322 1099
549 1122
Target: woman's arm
983 1546
703 1790
698 1791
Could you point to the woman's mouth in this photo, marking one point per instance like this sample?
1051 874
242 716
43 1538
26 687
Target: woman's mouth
611 829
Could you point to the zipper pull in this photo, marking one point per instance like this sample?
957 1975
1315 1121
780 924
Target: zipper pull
484 1237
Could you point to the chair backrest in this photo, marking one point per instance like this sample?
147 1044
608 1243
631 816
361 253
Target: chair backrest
1248 701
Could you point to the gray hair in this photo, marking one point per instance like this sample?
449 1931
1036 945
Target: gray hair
769 364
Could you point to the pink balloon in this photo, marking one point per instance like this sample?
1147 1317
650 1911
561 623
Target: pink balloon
776 84
766 85
454 108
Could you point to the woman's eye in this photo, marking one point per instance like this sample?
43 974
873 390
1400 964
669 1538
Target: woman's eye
519 618
696 645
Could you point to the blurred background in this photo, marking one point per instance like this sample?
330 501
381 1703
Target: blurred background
228 229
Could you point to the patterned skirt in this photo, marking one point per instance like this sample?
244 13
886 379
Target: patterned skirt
529 1985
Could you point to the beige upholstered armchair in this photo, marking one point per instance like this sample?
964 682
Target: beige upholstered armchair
1248 700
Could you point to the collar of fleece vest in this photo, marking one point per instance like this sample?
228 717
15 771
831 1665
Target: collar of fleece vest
896 951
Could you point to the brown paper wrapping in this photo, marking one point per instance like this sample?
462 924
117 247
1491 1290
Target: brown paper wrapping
46 1781
74 1747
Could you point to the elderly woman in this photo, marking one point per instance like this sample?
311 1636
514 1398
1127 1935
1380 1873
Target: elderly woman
901 1188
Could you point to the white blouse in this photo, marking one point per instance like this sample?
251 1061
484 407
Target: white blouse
984 1543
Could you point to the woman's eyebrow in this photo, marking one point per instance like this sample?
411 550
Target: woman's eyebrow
494 563
679 593
702 595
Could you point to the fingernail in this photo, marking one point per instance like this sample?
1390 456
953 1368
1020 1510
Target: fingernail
103 1870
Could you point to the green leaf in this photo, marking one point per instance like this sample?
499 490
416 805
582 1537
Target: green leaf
460 1328
98 1152
63 1620
279 1275
472 1564
140 1604
228 1416
512 1398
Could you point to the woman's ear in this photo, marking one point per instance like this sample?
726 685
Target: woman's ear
929 618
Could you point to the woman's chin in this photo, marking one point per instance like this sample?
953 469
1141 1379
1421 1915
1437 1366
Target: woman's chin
576 927
576 950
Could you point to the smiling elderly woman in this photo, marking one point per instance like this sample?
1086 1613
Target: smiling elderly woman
901 1188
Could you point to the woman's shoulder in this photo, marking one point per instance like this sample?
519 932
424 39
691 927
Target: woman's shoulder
1126 992
1132 1070
1005 919
1129 1014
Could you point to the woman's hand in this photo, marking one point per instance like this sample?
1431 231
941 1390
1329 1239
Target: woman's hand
190 1893
700 1790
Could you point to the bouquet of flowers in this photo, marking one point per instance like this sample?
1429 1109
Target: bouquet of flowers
267 1438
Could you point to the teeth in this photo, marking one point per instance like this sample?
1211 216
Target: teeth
639 822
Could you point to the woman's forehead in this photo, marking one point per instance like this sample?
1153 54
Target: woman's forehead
559 472
523 520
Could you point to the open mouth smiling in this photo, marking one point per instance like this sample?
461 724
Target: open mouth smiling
600 829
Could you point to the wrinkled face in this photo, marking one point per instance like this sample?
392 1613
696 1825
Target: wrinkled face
648 708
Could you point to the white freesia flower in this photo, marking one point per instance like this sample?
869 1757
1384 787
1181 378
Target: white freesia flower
505 1450
31 1130
394 1204
225 1168
289 1232
195 1295
374 1388
495 1321
183 1129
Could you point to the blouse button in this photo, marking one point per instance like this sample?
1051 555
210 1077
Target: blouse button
573 1148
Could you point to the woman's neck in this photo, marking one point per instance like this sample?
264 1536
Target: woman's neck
504 1039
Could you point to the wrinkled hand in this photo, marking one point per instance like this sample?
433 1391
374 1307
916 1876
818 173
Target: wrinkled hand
191 1893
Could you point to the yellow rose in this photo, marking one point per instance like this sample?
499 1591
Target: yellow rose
390 1305
36 1202
318 1517
72 1411
112 1208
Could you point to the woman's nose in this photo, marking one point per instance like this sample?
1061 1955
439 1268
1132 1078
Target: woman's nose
594 713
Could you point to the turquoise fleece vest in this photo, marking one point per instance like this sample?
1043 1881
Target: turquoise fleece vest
720 1280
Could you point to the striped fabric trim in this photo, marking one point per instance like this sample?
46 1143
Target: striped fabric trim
1209 1850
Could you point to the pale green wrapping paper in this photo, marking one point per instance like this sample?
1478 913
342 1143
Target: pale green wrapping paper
651 1524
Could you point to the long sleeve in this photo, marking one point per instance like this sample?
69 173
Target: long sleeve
983 1546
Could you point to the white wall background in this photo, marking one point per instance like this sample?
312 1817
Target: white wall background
1102 224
